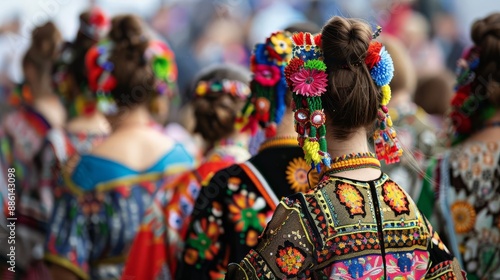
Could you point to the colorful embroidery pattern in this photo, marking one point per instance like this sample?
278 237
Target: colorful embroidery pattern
297 175
395 198
289 259
245 212
204 242
351 198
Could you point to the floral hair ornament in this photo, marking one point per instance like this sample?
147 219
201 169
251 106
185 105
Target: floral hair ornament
306 76
101 80
381 68
235 88
267 105
162 61
464 103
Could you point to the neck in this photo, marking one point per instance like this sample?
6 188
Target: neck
286 127
132 117
356 143
399 98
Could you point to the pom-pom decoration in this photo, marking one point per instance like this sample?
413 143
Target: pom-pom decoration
268 84
307 78
383 71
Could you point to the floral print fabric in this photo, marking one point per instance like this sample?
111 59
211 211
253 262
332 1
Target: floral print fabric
471 198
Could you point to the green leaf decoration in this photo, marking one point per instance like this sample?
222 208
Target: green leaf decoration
160 67
315 64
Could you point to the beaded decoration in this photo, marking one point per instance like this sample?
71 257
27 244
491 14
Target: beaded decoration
466 105
381 67
235 88
352 162
306 76
267 105
100 72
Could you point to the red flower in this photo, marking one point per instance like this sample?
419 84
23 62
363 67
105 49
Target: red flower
267 75
98 18
373 56
461 122
293 67
459 99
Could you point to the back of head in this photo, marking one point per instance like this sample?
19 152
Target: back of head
434 93
220 94
404 80
44 49
353 98
477 98
130 66
486 35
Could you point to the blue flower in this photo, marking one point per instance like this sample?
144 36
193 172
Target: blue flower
383 71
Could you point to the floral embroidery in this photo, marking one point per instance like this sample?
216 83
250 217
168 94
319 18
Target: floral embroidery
464 216
204 241
244 212
297 175
289 259
395 198
352 199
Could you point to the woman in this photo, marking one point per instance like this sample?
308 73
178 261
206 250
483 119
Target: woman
245 196
87 126
22 135
220 92
467 177
356 223
107 192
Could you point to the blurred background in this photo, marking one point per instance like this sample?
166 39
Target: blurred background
203 32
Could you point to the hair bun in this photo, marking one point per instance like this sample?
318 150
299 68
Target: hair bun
345 41
486 34
46 40
127 31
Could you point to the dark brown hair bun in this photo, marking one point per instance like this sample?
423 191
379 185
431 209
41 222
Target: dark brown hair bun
44 49
216 113
353 98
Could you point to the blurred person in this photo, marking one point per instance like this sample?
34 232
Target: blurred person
433 94
416 132
466 178
356 223
37 109
244 187
446 36
106 192
221 92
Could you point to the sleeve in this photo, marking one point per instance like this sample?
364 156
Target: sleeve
285 250
442 264
68 242
205 249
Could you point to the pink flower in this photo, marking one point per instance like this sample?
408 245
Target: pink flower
266 75
310 82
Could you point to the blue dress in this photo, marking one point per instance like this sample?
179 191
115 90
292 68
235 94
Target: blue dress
99 210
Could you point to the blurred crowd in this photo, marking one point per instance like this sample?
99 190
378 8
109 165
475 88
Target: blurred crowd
167 139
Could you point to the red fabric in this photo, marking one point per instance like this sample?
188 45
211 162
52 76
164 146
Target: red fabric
373 56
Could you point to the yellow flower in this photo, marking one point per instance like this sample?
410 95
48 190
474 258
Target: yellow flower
282 44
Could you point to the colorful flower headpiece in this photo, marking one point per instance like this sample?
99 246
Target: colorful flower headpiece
101 80
465 104
267 105
235 88
381 68
307 76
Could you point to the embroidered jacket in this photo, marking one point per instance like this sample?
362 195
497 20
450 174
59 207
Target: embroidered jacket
467 209
346 229
234 207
